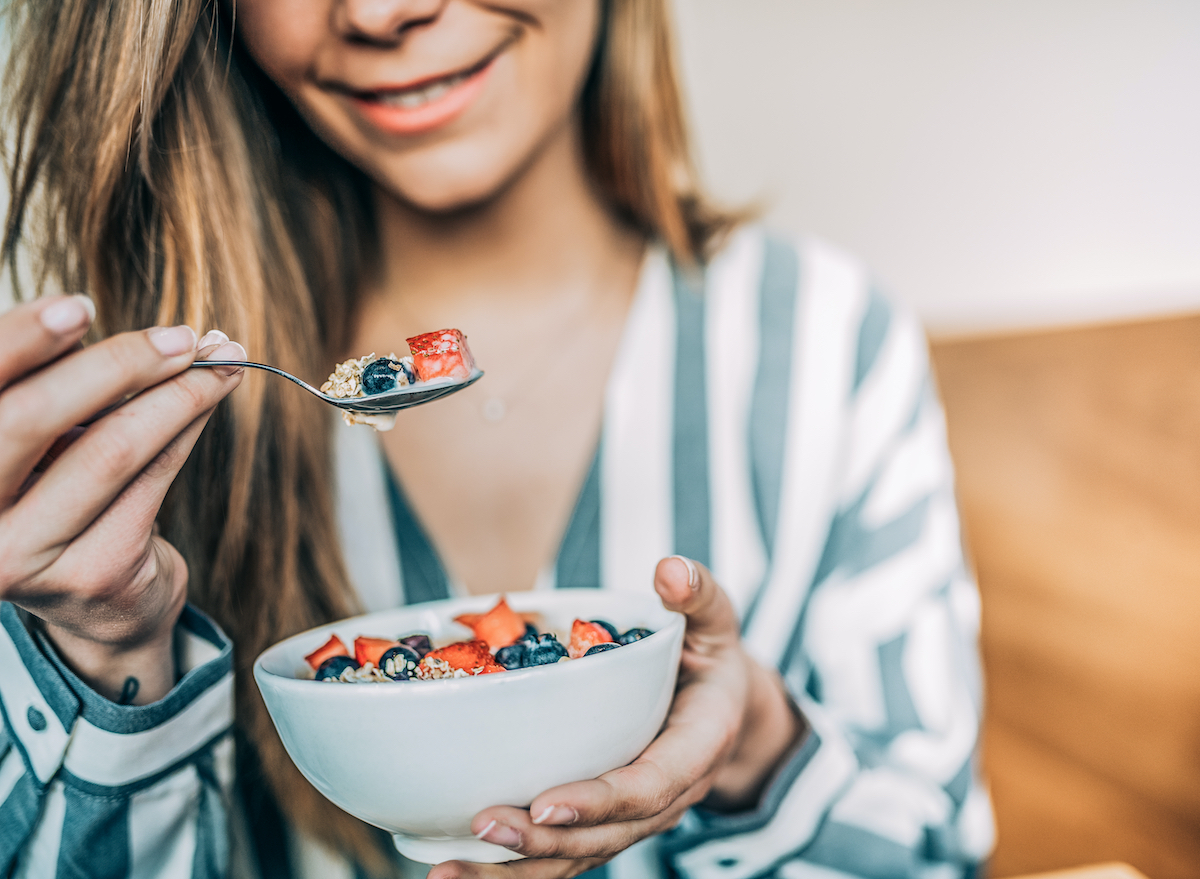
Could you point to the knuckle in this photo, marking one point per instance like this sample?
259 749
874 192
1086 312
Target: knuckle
659 801
655 791
194 392
556 846
114 452
19 410
161 464
125 354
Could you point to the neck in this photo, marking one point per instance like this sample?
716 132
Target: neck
547 236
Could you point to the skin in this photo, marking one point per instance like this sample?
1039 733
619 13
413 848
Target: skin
488 222
77 542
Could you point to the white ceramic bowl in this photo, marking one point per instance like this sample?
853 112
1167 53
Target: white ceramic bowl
420 759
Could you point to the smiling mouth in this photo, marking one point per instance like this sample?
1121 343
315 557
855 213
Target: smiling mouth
415 97
421 94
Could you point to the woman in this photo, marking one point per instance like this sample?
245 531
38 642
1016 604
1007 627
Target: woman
327 178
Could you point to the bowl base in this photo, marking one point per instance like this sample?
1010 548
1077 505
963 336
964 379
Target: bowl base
434 850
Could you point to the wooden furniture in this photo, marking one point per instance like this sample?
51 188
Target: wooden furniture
1099 871
1078 456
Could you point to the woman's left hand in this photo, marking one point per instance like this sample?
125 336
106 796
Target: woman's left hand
730 726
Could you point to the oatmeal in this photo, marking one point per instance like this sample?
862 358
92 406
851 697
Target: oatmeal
504 641
442 354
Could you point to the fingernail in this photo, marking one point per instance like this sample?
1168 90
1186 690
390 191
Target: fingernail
69 313
212 337
172 341
481 834
557 815
693 574
501 834
228 351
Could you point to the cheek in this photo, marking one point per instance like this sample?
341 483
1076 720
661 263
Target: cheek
529 98
532 98
283 36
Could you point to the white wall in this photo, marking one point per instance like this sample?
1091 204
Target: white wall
997 162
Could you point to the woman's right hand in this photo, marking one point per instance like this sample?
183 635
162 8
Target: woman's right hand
78 547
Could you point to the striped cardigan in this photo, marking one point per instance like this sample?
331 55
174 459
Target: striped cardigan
773 418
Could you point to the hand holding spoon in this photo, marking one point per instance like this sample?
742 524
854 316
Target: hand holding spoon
372 404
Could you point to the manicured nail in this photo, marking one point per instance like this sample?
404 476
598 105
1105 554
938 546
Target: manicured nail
502 834
69 313
212 337
173 341
557 816
481 834
693 574
228 351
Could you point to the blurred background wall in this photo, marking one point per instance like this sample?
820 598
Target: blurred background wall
999 163
1026 174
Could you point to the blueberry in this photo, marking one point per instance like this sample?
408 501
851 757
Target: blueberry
608 627
380 376
331 669
530 639
512 656
600 648
634 635
419 643
398 662
547 652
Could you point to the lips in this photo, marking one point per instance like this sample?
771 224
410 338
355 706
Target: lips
424 107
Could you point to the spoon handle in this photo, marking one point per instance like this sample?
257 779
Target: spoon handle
262 366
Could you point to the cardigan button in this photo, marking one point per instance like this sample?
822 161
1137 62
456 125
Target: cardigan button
36 719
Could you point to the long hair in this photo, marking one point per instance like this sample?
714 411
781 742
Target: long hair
151 164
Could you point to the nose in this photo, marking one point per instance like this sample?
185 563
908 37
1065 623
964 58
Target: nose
384 21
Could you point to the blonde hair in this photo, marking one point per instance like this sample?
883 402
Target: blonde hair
153 165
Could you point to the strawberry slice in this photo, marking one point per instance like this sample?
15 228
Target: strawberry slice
585 636
370 649
466 656
333 647
441 354
499 627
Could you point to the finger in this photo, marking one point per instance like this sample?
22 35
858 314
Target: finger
206 349
700 730
523 869
633 801
100 464
35 333
513 829
123 528
46 404
689 588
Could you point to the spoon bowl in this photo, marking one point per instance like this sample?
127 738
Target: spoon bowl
373 404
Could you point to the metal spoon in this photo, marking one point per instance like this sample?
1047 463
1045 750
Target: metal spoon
374 404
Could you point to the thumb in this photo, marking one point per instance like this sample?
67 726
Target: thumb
688 587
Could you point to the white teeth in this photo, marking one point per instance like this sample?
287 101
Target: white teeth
410 100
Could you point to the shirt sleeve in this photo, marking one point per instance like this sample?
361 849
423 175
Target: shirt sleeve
883 663
89 787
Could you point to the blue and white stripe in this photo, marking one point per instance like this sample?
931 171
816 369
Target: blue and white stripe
90 788
773 417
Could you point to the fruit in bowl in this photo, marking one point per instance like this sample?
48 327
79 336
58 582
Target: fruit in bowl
430 755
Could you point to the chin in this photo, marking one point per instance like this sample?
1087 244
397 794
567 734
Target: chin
446 196
451 180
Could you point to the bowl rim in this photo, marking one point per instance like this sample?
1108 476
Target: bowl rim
676 622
